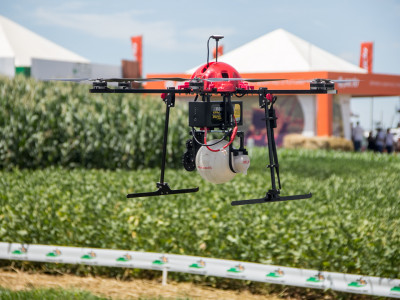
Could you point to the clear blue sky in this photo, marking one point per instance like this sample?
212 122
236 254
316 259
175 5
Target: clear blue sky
175 32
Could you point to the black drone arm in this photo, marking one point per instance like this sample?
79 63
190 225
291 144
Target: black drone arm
100 89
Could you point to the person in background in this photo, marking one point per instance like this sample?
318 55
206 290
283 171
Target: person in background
371 142
389 141
352 132
358 134
379 140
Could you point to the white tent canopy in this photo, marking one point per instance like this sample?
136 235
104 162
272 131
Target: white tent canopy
22 45
281 51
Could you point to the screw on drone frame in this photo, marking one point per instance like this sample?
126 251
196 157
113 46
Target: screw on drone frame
163 187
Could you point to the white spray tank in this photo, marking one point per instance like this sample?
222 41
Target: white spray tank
214 166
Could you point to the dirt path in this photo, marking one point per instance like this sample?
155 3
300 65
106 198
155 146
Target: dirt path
117 289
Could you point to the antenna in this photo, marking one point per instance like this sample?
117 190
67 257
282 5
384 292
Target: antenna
216 37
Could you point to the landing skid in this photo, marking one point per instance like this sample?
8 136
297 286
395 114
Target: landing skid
268 198
163 190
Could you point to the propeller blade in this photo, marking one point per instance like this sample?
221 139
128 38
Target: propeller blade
261 80
171 79
240 79
179 79
68 79
143 79
119 79
326 80
345 80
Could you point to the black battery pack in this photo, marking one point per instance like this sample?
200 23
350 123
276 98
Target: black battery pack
215 114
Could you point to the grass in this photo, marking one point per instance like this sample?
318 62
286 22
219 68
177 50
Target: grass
56 294
350 225
47 294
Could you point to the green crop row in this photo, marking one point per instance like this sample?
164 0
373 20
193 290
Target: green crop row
351 224
57 123
47 294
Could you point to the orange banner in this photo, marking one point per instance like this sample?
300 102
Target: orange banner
366 56
137 51
220 51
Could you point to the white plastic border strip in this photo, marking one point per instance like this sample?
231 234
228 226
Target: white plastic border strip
203 266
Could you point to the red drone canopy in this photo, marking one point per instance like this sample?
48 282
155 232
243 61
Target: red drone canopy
221 70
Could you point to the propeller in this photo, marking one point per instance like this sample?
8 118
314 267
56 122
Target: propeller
345 80
180 79
326 80
143 79
240 79
69 79
118 79
161 79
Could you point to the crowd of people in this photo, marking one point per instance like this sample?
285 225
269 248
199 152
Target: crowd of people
380 142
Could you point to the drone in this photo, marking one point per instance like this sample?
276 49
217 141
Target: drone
217 161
